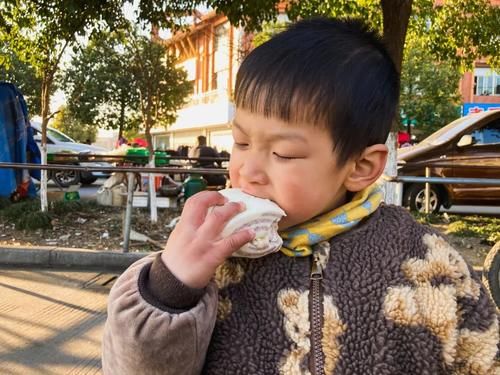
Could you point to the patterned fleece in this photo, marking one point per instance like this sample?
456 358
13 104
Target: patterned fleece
397 299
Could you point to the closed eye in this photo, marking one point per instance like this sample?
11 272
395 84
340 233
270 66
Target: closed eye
283 157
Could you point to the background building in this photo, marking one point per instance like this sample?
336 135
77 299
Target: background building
210 52
480 89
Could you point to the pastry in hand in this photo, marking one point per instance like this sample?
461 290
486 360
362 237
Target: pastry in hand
262 216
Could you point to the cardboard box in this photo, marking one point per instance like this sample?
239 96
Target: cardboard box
141 200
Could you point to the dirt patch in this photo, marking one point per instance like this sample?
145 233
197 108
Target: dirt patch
100 228
473 249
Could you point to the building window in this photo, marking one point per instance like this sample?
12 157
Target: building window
486 82
189 66
162 142
221 40
220 74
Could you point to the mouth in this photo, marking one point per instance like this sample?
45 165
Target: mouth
252 193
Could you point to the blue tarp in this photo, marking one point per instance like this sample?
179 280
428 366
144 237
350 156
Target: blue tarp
16 141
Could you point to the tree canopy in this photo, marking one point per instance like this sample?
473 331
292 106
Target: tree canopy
22 75
429 91
456 30
122 80
38 33
69 125
163 88
100 86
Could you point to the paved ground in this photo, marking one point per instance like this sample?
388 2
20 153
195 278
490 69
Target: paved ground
51 321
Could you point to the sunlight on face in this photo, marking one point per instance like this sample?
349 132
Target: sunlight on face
292 164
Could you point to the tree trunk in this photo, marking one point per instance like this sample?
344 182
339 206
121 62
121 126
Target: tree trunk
152 188
46 84
122 116
120 131
396 15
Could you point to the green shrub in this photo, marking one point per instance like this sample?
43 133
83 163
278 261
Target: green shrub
61 208
485 227
26 215
4 203
427 218
14 211
34 220
476 226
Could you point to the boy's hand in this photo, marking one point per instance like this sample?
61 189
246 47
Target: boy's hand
195 247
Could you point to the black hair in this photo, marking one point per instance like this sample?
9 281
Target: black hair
202 140
326 72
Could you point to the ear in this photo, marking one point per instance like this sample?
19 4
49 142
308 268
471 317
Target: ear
367 168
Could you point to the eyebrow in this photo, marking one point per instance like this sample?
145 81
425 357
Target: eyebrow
281 136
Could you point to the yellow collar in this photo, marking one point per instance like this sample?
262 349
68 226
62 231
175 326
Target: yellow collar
299 240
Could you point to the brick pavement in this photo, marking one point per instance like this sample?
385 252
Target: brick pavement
51 321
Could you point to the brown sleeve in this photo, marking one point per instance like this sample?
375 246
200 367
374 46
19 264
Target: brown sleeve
142 338
162 289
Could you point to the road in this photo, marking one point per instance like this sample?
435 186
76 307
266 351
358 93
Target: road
88 192
51 321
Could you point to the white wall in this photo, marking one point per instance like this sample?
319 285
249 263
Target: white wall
106 138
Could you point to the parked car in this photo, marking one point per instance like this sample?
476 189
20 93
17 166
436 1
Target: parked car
58 142
468 147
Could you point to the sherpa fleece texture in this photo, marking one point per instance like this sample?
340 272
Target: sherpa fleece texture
398 299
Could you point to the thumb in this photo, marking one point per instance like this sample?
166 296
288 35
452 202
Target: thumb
235 241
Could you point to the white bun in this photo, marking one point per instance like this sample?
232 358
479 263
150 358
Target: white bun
262 215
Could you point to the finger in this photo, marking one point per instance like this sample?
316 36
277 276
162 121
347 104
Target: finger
196 207
235 241
218 217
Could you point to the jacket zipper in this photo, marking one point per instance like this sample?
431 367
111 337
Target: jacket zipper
317 365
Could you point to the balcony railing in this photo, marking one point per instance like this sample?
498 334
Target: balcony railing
208 97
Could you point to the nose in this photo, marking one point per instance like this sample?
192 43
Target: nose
253 170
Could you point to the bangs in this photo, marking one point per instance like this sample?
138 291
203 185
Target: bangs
283 99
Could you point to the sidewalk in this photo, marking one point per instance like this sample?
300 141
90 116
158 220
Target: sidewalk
53 308
52 321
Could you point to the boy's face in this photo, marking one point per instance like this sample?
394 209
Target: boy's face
291 164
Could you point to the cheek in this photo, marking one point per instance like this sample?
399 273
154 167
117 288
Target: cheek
233 172
292 195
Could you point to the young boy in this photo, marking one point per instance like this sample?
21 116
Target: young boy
358 287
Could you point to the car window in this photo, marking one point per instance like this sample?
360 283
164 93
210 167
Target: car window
60 137
37 135
489 134
442 135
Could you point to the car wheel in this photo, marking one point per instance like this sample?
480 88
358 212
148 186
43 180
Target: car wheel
65 178
491 273
415 198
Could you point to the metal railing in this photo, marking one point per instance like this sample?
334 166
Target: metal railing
131 171
123 169
428 180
